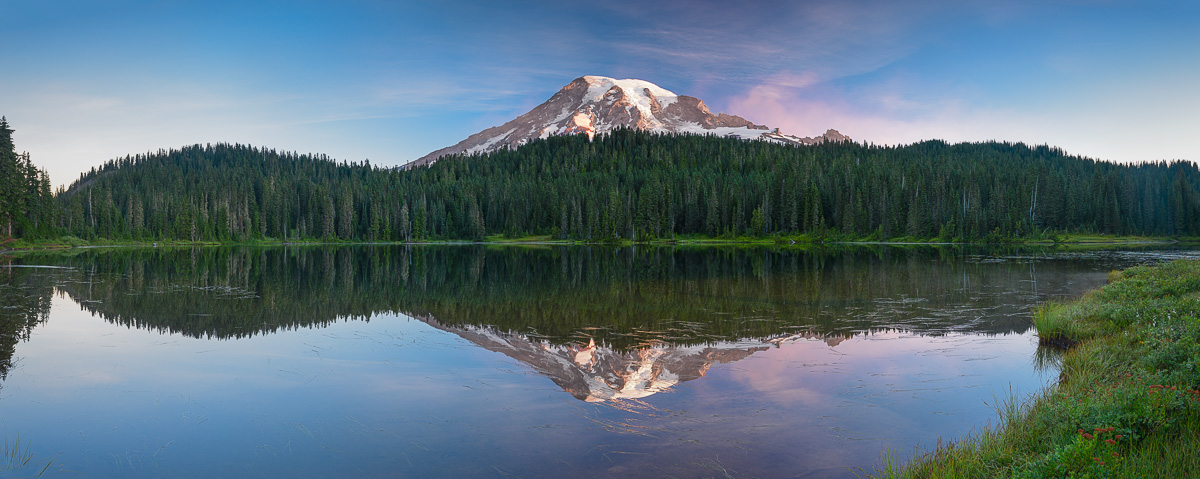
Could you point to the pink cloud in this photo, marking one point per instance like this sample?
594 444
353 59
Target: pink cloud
901 110
804 105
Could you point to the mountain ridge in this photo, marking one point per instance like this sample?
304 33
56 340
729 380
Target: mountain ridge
594 105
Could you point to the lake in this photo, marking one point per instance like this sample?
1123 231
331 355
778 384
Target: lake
517 361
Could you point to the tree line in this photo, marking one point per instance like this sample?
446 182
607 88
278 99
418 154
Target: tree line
635 185
27 207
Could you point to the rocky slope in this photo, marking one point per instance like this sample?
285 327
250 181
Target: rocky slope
593 105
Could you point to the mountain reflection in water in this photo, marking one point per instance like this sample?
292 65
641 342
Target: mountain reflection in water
599 373
601 323
452 361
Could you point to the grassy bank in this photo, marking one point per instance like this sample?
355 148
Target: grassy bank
1069 242
1127 403
63 242
803 239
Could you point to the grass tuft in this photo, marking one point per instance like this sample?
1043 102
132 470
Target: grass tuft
1055 324
17 457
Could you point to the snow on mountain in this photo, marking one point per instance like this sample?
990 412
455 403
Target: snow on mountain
594 105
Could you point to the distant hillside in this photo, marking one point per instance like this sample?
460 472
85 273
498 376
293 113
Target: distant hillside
637 185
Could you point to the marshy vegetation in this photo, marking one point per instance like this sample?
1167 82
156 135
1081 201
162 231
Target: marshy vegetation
1128 400
17 457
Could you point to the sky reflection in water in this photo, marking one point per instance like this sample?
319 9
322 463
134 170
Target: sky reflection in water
409 362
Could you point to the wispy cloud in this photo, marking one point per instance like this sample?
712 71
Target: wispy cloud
749 42
395 80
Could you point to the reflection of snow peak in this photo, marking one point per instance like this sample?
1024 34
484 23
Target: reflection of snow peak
596 373
586 357
640 378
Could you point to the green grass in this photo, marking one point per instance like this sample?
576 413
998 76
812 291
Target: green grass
74 242
525 239
830 237
17 458
1128 400
1099 238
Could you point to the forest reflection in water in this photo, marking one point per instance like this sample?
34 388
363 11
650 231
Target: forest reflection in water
616 326
619 297
602 322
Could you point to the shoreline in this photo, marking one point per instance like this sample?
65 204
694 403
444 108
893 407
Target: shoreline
1127 403
782 242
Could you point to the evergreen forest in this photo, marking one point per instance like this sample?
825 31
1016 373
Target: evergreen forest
27 208
634 186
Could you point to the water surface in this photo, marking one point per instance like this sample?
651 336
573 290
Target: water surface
392 361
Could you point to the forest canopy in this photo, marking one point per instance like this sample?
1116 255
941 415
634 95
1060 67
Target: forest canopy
635 185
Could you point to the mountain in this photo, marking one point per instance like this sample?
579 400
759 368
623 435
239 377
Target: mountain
594 104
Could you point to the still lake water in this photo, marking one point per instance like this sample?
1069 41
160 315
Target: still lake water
467 361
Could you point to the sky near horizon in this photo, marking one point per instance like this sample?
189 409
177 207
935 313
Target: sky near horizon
83 82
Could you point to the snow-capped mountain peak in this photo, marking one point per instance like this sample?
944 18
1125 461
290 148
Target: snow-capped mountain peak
594 105
648 98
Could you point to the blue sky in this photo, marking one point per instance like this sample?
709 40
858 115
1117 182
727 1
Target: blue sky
84 82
